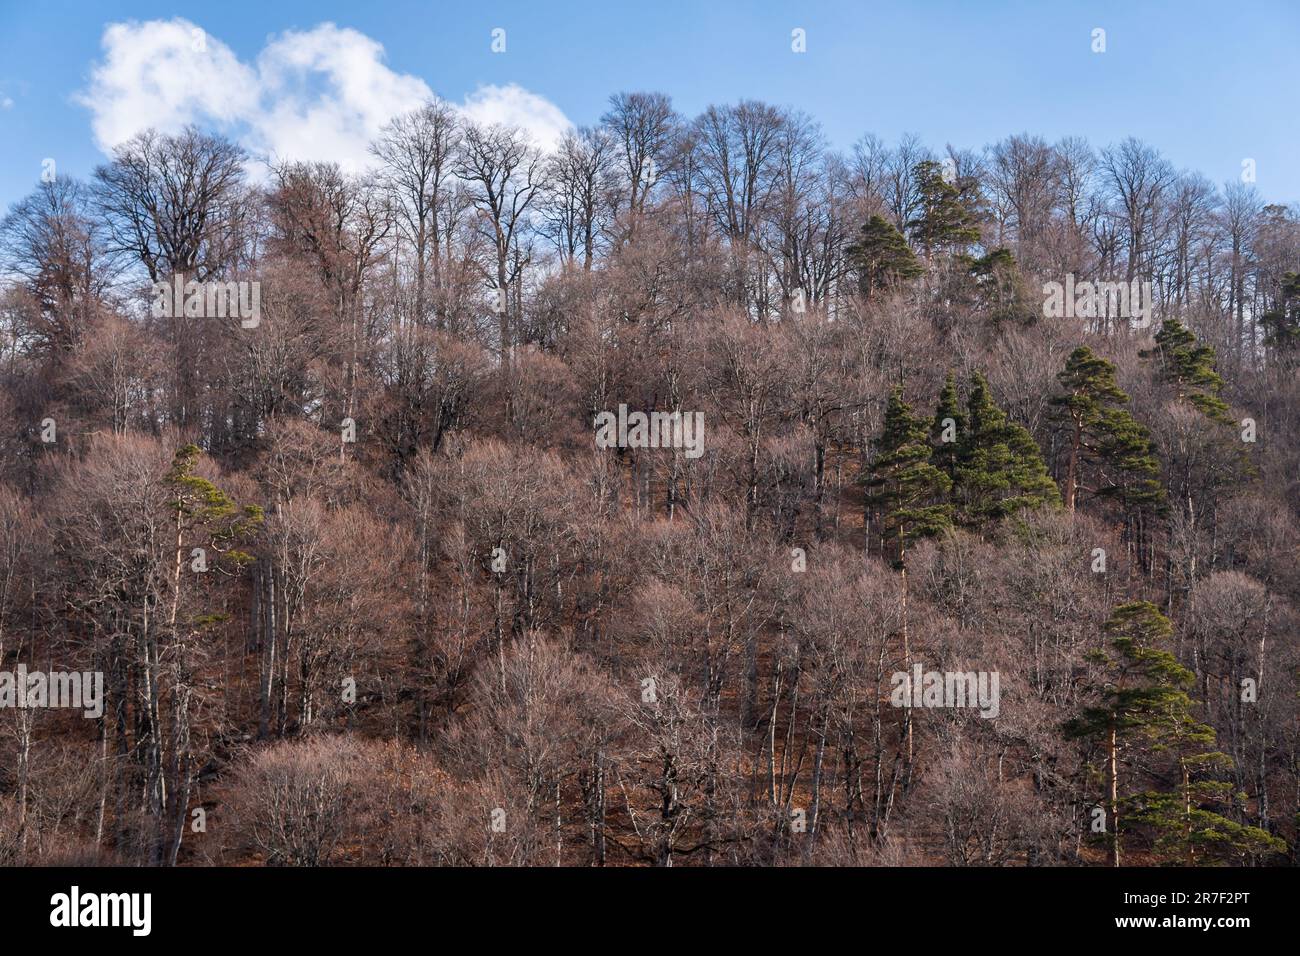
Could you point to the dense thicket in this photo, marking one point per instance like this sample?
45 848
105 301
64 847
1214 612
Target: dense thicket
364 589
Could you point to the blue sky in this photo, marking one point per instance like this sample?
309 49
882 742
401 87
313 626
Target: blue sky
1206 83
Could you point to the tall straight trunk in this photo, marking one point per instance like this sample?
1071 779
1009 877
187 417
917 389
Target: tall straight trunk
419 657
819 759
1072 470
1113 745
1262 769
156 786
270 632
421 252
182 778
354 334
597 798
771 734
103 783
503 303
907 661
24 721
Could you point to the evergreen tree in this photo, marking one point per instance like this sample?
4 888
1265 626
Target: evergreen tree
205 512
944 221
1000 292
947 428
902 485
1188 367
904 489
999 466
1103 440
1207 460
881 257
1282 323
206 519
1185 826
1142 709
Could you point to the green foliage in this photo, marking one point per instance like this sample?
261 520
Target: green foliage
203 508
944 456
1142 692
902 484
1142 700
1000 288
881 257
999 468
1217 459
1282 322
1188 367
1186 830
1105 443
944 220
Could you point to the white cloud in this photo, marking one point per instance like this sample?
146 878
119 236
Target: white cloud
6 103
155 74
326 93
320 94
513 105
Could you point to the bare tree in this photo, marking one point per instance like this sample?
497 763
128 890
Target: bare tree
579 197
174 202
643 125
56 243
505 174
340 223
418 150
1138 179
1240 218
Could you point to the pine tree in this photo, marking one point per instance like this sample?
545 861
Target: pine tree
943 221
1213 458
1282 322
948 426
999 469
208 517
1000 289
904 490
902 485
205 510
1102 438
881 257
1184 826
1188 367
1142 708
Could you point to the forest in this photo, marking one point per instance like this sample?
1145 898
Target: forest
691 494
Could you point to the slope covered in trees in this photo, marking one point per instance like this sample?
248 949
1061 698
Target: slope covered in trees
364 587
